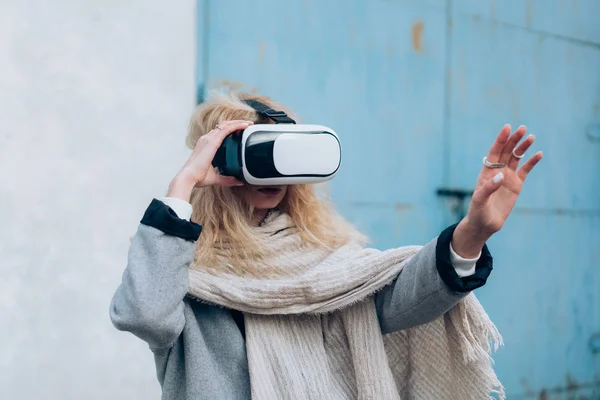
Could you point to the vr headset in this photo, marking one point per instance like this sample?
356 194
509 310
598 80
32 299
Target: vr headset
284 153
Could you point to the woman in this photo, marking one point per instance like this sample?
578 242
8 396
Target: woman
279 299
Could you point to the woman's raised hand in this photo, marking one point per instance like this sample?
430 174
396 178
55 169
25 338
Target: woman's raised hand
496 191
198 170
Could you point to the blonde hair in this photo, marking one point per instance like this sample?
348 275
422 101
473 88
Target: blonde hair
227 220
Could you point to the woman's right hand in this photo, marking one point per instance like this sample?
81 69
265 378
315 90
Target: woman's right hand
198 170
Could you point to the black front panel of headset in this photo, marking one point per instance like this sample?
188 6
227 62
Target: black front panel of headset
258 155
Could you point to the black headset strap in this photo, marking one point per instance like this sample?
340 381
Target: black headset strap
279 117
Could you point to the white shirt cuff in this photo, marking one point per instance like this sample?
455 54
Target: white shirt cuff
463 266
182 208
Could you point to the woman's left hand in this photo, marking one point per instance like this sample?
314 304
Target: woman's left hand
496 192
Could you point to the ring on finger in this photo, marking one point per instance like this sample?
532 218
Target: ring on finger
489 164
514 153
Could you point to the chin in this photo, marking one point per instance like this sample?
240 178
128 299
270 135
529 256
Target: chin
266 204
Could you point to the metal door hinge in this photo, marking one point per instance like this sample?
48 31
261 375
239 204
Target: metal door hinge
458 196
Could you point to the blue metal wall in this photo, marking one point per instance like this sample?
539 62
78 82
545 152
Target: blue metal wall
417 90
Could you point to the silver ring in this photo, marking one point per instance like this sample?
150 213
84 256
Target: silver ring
516 156
218 127
492 164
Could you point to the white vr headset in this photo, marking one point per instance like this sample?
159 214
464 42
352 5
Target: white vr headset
284 153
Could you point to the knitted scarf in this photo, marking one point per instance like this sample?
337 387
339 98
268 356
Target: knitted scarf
313 333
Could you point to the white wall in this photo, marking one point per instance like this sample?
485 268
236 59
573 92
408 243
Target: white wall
94 103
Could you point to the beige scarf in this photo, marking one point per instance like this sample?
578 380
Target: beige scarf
313 333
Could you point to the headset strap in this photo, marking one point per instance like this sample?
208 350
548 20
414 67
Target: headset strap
279 117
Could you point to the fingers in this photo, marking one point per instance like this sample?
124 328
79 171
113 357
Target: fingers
496 149
528 166
511 143
520 150
213 139
222 130
229 122
484 192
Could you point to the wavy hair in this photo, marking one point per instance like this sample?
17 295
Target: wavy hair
227 219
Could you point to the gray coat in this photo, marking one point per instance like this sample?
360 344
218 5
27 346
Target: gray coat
198 348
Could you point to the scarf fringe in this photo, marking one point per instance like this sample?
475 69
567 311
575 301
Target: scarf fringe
478 338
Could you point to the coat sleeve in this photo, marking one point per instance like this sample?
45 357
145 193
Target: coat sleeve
428 286
149 300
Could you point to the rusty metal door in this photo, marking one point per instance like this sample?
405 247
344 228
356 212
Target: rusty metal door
351 65
537 63
417 90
